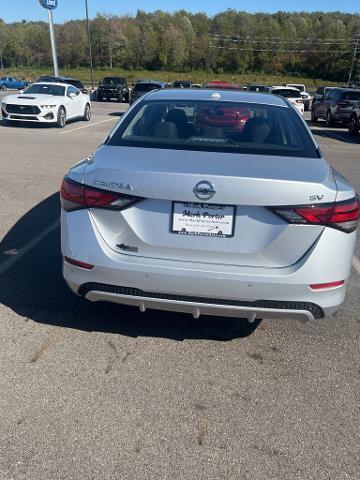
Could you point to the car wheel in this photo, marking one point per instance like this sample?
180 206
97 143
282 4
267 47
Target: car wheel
4 87
87 113
353 127
328 119
61 117
99 99
314 118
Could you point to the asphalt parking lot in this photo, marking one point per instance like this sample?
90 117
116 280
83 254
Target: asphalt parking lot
98 391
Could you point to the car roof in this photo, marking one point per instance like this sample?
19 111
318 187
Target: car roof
51 84
281 87
225 95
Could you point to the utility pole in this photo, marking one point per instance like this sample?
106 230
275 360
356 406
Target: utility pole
353 59
89 43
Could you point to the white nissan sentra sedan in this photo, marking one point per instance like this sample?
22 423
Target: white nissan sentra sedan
51 103
210 202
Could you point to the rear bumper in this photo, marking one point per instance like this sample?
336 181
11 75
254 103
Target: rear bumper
205 288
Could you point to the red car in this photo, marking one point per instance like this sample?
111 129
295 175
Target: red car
230 118
223 86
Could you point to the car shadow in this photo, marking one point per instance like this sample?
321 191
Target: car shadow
31 285
116 114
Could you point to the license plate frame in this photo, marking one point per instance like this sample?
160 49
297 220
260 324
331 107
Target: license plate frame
199 222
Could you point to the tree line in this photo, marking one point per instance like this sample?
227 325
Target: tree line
318 45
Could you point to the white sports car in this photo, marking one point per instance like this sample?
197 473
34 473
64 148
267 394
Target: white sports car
47 103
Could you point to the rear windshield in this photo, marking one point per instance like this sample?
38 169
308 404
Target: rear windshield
258 88
113 80
233 127
75 83
286 92
351 95
182 84
301 88
49 89
145 87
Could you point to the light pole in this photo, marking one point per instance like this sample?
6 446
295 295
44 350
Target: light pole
89 44
50 5
53 43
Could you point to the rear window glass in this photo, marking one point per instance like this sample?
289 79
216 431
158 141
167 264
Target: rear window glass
75 83
351 95
145 87
114 80
35 89
231 127
287 93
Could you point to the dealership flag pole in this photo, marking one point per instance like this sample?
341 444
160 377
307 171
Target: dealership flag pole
53 43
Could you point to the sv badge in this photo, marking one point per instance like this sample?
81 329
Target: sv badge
316 198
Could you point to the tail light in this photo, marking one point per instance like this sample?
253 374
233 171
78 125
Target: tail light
75 196
340 215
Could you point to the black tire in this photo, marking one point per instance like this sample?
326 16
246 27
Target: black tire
4 87
328 119
61 117
353 126
314 118
100 99
87 113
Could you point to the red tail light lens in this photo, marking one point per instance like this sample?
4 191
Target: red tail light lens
326 286
75 196
341 215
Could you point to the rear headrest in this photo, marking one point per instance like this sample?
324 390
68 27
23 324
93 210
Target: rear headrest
165 130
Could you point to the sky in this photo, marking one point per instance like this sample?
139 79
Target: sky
17 10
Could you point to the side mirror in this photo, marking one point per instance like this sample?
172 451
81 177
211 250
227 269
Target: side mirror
72 95
21 91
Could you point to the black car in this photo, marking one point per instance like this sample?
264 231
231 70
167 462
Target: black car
182 84
69 81
258 88
354 125
336 106
113 88
143 87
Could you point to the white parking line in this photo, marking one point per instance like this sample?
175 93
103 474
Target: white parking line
16 255
88 126
356 264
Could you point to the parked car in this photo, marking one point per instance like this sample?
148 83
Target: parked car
69 81
254 87
182 84
354 125
144 86
51 103
169 216
336 106
113 88
13 83
218 85
304 94
320 92
292 94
